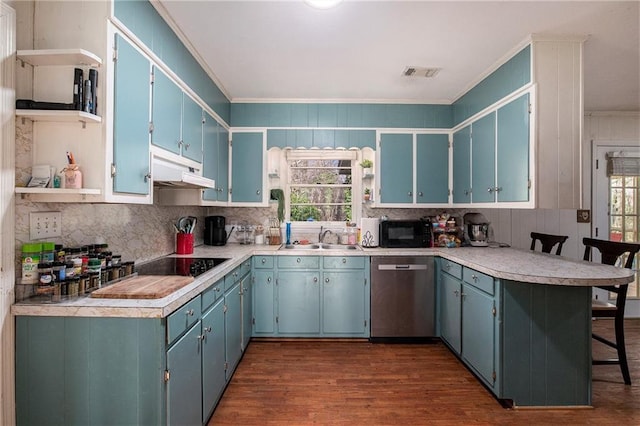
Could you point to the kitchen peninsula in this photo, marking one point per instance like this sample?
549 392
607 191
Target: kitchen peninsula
538 340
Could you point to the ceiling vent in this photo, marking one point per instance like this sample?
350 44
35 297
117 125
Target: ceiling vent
420 72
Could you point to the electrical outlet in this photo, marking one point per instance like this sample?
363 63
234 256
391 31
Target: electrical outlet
45 225
584 216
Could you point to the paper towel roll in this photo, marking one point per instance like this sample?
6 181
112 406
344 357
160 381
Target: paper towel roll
369 231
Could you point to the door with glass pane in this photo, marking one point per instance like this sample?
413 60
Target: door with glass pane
616 203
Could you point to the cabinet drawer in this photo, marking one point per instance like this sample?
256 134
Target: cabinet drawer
263 262
451 268
182 319
343 262
245 268
479 280
232 277
213 293
299 262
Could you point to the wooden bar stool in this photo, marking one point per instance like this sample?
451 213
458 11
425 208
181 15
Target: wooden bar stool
548 241
611 251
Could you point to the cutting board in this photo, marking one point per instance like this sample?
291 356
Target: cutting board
143 287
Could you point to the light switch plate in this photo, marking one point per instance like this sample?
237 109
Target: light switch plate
45 225
584 216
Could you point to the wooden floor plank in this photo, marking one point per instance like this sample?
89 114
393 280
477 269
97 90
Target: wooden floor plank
360 383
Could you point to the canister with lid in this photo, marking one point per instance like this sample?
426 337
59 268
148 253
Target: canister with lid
48 252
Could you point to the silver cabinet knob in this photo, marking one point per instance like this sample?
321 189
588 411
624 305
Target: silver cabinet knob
456 292
326 280
410 194
147 177
268 279
190 312
208 329
344 260
298 260
258 192
420 194
264 260
315 279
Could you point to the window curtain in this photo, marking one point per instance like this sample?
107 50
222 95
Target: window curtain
621 164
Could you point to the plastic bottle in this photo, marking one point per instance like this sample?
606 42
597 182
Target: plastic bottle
48 252
30 259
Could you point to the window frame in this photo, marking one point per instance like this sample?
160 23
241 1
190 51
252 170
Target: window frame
324 154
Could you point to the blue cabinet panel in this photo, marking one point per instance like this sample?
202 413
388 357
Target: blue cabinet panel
450 311
509 77
132 86
191 129
303 138
478 332
483 156
276 138
184 365
264 302
513 150
233 329
432 168
213 358
462 165
343 303
247 167
299 115
298 302
279 115
396 168
323 138
327 115
210 134
222 184
167 112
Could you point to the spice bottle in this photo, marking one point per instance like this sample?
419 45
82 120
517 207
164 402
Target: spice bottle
30 259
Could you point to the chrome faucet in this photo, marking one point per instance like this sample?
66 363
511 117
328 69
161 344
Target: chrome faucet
322 234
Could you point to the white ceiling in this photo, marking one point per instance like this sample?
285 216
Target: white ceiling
286 50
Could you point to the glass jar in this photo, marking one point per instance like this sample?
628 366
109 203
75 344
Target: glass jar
83 284
74 285
45 274
94 280
70 270
94 268
59 271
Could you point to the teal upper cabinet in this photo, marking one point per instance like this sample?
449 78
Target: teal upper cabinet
131 120
247 167
191 129
483 158
215 163
462 165
177 119
396 168
167 112
513 150
432 169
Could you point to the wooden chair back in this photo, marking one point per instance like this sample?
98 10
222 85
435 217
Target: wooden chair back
548 241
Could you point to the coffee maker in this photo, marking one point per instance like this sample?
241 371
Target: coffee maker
476 229
214 231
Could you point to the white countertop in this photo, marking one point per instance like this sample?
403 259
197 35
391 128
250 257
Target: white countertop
504 263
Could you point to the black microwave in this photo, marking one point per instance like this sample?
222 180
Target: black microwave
405 233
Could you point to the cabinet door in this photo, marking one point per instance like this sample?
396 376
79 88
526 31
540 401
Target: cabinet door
233 328
462 165
298 302
222 184
191 129
210 135
247 293
247 167
513 150
432 169
478 338
396 168
483 157
264 313
344 303
213 377
184 386
167 112
132 85
450 310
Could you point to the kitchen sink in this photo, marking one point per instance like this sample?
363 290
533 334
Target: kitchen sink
319 246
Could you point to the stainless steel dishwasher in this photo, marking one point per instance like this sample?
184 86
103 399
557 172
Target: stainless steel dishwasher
402 297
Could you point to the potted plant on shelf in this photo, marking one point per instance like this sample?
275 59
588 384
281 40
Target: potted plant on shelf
367 194
367 166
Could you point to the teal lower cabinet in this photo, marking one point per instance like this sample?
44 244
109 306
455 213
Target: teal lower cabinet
311 296
528 343
298 295
264 311
213 358
345 297
144 371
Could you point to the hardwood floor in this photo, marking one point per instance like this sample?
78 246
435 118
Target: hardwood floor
359 383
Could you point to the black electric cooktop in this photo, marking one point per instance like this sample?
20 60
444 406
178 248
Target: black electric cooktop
187 266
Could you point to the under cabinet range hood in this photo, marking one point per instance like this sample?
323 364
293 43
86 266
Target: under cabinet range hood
169 174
